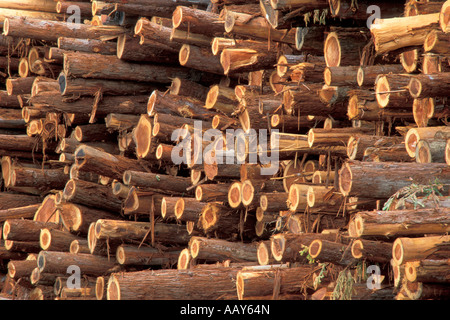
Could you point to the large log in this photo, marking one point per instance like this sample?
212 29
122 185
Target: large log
49 30
110 67
363 179
395 33
427 270
90 265
412 249
173 284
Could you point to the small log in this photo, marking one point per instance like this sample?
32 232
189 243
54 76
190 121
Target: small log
102 163
139 231
287 247
278 280
56 240
90 265
208 249
376 251
327 251
158 182
91 194
414 135
367 75
87 45
25 230
342 46
212 192
198 58
146 256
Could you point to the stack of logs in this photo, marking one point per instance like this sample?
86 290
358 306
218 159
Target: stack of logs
95 90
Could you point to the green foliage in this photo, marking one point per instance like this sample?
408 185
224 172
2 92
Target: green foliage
322 273
411 192
344 286
308 256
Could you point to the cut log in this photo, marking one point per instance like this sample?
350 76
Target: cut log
158 182
146 256
25 230
392 91
342 47
275 281
202 59
102 163
327 251
56 240
436 85
242 24
154 284
414 135
367 75
212 192
429 151
210 249
386 32
25 212
287 247
363 179
58 262
77 217
427 270
110 67
50 30
374 251
197 21
92 195
411 249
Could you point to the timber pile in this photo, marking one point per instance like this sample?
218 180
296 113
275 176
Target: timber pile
357 118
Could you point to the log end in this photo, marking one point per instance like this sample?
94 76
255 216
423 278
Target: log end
184 53
332 50
444 18
278 246
184 259
142 136
263 254
357 249
345 179
398 252
248 193
447 152
179 208
113 289
382 88
235 194
423 111
45 239
100 288
315 248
